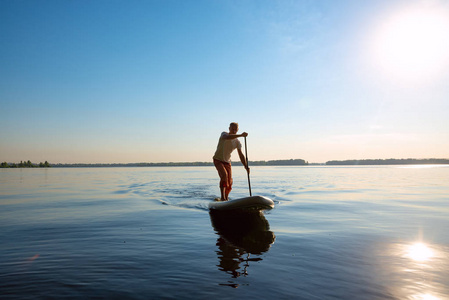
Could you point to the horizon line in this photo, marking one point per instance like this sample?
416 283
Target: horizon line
291 160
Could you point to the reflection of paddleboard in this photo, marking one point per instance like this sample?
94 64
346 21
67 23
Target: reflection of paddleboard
254 202
247 230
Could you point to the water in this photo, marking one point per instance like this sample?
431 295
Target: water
146 233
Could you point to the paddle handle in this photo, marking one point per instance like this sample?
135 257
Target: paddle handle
246 155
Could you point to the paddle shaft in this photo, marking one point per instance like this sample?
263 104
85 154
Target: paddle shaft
247 172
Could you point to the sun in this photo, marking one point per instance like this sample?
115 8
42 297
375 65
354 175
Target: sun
412 45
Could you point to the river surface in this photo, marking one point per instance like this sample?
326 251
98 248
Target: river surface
355 232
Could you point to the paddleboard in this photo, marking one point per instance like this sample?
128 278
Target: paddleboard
253 203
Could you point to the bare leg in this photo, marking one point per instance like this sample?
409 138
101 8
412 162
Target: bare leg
223 193
227 191
228 181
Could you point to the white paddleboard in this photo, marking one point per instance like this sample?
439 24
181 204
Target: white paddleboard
254 202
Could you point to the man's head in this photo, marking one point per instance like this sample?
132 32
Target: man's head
233 127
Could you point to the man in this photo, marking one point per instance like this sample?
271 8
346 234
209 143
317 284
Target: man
227 143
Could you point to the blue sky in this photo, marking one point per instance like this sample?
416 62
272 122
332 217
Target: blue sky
158 81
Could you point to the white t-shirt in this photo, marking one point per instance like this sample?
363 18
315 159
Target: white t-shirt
225 148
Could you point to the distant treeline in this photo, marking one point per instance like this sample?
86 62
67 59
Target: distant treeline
391 161
289 162
23 164
282 162
99 165
286 162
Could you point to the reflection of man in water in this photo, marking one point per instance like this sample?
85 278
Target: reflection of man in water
230 257
227 143
240 234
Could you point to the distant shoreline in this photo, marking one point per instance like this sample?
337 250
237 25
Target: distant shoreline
391 161
286 162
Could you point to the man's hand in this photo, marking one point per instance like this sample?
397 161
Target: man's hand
244 134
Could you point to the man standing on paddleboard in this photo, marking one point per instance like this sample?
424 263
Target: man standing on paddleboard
227 143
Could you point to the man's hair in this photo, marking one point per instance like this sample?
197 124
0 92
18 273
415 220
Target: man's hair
234 124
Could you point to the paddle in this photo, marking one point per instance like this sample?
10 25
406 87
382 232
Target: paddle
246 154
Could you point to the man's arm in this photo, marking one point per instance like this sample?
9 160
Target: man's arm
230 136
243 159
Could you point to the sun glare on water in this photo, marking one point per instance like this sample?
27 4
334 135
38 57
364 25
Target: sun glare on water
419 252
413 44
426 297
